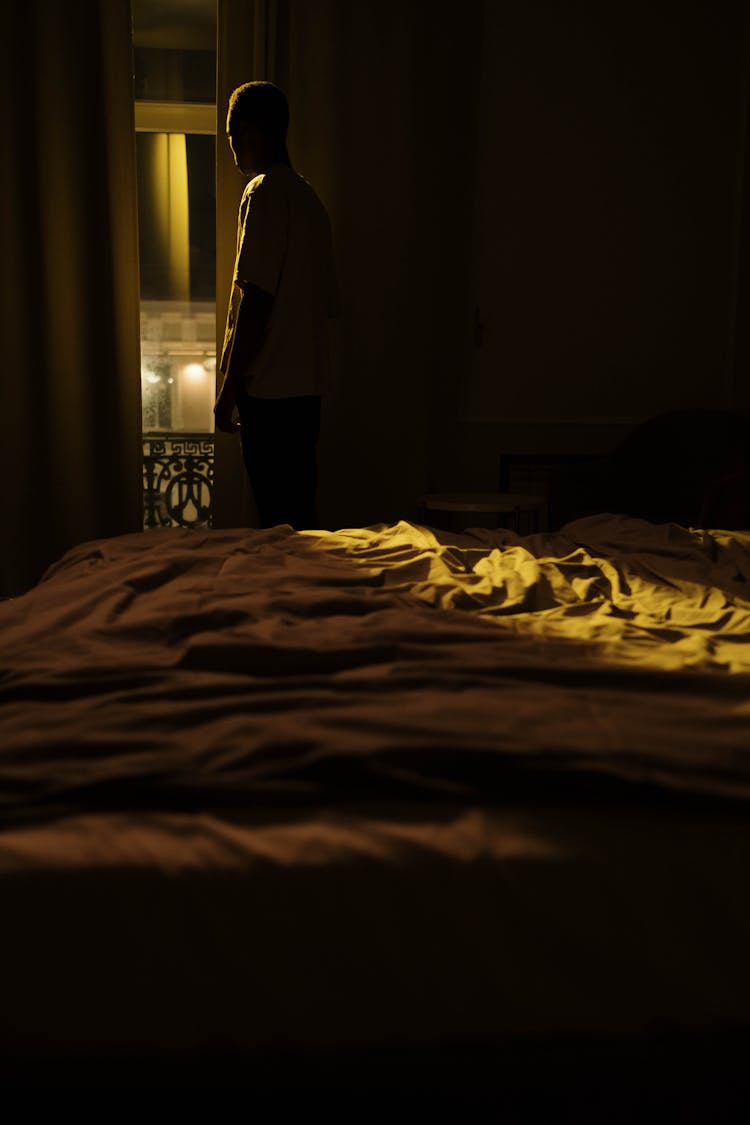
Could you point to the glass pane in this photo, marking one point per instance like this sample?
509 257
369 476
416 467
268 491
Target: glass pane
178 367
177 216
165 75
174 47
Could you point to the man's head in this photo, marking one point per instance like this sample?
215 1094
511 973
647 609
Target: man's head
257 123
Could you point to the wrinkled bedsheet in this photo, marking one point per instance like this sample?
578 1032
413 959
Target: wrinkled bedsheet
186 669
386 785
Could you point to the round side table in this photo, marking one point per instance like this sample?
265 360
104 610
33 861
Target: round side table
524 514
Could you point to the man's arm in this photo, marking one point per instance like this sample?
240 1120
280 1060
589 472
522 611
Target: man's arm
253 315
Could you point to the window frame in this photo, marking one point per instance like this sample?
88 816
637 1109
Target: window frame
175 117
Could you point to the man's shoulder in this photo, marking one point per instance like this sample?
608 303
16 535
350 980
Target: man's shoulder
265 196
281 179
252 186
309 202
283 190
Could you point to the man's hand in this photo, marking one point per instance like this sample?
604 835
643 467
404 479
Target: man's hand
253 315
223 411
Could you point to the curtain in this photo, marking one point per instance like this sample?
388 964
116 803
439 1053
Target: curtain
741 313
70 383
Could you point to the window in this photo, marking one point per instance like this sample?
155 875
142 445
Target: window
174 50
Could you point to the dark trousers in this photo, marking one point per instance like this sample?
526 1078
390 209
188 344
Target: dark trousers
279 447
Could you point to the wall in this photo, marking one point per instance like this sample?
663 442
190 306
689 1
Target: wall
607 220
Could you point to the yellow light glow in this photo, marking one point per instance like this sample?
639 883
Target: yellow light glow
194 371
165 156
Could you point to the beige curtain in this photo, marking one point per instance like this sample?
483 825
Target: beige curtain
70 383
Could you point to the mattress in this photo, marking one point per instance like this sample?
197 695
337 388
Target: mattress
369 926
387 785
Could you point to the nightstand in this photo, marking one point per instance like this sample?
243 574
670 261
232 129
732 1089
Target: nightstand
523 514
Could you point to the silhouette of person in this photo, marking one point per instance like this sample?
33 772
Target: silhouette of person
275 360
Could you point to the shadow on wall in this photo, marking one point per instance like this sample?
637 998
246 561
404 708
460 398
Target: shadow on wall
690 467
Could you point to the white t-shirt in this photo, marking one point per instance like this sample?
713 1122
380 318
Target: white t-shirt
284 246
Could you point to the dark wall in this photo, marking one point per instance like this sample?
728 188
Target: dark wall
608 173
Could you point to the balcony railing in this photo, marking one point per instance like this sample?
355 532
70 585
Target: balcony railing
178 479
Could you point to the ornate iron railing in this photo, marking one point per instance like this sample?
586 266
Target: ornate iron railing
178 479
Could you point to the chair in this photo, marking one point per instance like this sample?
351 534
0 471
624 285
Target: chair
690 467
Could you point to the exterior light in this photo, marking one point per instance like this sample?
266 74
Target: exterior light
194 371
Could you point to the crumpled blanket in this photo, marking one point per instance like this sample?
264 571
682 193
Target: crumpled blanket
189 669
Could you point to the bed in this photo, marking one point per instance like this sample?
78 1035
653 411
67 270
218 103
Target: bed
384 809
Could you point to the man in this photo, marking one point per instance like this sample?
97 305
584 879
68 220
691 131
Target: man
275 360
